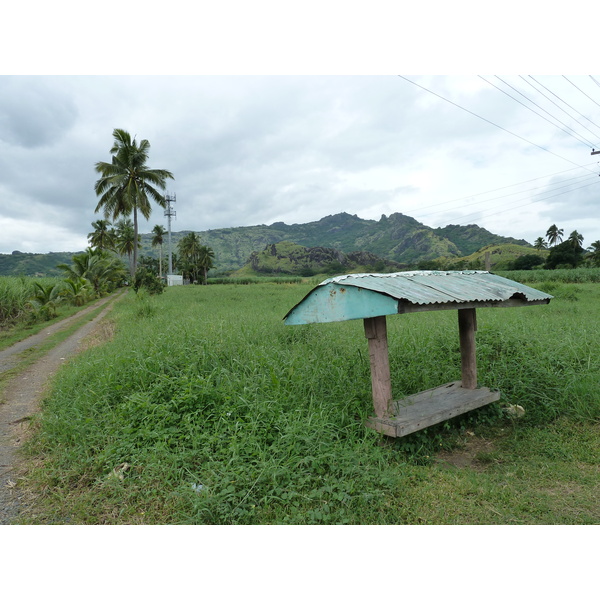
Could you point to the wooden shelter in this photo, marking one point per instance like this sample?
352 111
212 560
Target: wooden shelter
372 297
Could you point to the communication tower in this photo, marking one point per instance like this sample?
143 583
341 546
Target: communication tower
170 214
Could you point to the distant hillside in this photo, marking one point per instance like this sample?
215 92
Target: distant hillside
397 238
501 257
291 258
471 238
42 265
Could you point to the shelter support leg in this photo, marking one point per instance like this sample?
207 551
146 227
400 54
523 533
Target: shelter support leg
381 382
467 326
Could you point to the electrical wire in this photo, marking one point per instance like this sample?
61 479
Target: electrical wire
581 91
560 107
595 81
580 139
563 101
486 120
507 186
558 187
482 216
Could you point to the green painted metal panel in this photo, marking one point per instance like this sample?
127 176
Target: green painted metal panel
335 302
363 295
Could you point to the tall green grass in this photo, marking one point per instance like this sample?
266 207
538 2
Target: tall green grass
15 293
580 275
207 409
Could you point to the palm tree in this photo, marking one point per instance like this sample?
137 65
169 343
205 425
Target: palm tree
103 270
554 235
103 236
45 299
595 253
205 262
189 250
124 242
127 184
77 290
540 244
576 239
159 235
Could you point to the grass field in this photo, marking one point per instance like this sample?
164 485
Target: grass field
206 409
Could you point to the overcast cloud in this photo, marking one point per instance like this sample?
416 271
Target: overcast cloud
247 150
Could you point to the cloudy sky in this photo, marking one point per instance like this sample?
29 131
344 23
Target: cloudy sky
511 153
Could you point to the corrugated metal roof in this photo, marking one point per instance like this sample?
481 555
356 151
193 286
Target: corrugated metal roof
435 287
406 291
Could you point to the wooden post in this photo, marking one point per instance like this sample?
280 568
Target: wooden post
467 326
381 383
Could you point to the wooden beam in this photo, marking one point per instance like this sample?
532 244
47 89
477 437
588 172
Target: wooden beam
381 382
467 326
430 407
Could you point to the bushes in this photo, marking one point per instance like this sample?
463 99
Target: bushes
149 281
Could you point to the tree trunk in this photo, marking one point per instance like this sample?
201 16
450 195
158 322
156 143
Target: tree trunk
135 241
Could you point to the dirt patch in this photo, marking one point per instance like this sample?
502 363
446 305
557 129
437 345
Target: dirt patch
102 333
21 399
476 454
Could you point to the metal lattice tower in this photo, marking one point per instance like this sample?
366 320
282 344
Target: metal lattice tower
170 213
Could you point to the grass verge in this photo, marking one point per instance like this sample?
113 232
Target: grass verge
206 409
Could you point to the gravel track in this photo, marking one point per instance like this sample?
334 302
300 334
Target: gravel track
22 396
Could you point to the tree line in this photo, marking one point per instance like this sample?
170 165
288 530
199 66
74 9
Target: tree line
192 259
569 253
125 188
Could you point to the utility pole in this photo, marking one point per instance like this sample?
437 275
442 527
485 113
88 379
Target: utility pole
595 151
169 213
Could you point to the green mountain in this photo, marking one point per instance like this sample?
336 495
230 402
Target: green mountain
291 258
471 238
398 238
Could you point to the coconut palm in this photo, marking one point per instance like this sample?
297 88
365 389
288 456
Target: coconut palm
103 236
595 253
189 247
540 244
206 262
554 235
576 239
77 290
157 240
103 270
125 242
45 299
127 184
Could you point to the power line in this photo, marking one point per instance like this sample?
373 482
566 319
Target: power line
487 120
581 91
523 205
579 139
421 215
558 106
594 80
507 186
563 101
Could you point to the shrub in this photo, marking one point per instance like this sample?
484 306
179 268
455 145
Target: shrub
527 262
149 281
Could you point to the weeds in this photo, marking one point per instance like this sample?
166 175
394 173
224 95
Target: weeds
224 415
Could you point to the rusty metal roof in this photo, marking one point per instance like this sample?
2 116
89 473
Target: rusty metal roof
409 290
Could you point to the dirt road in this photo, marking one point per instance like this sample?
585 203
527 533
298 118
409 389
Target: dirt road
22 396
